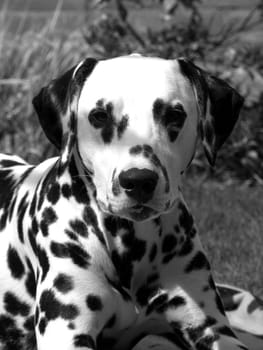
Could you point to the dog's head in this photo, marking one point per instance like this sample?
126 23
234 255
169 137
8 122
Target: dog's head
134 122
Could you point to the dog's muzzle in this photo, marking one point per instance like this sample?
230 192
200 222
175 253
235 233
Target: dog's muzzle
139 184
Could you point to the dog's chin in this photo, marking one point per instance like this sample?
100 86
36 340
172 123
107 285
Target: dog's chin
137 212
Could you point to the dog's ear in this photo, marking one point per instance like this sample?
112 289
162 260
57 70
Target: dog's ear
219 106
52 104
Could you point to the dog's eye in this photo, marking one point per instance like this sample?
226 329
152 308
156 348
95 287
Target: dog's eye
98 117
174 120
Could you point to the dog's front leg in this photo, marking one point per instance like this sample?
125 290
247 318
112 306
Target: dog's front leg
188 298
73 306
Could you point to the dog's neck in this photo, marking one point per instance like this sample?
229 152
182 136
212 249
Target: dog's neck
133 246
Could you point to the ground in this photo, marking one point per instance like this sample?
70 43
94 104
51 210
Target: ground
230 223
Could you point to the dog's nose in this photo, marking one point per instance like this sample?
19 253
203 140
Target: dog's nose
139 183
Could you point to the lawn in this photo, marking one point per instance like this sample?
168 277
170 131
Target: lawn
230 222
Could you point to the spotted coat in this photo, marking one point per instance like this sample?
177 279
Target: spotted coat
90 266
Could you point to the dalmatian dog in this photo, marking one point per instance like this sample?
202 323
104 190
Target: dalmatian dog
98 249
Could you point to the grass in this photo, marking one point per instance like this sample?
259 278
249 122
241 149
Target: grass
229 218
230 223
29 60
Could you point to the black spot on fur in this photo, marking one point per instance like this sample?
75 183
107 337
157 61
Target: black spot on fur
22 207
72 235
44 185
11 207
7 187
94 302
198 262
158 109
54 308
15 306
10 334
29 323
153 252
32 208
15 264
135 150
69 312
79 227
63 283
3 220
169 243
176 301
32 241
122 126
78 188
144 293
42 325
187 247
71 325
36 315
44 262
53 193
6 163
71 250
34 226
110 223
136 249
84 340
60 250
124 267
30 280
185 219
66 191
49 216
157 303
90 218
168 257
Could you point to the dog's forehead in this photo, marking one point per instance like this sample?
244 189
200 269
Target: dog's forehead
135 79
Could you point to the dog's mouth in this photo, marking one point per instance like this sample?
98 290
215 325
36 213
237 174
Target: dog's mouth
141 212
138 212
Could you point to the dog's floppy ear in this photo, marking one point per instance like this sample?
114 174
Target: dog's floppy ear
219 106
52 104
